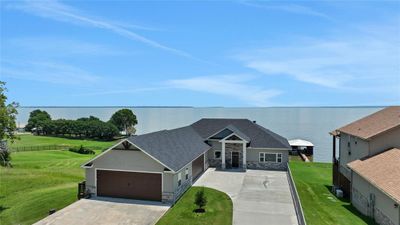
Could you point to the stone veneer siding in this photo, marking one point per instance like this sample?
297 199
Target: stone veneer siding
233 147
360 201
172 197
266 165
381 218
362 204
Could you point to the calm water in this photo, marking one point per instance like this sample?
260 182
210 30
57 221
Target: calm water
309 123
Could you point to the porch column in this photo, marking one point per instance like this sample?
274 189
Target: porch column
223 155
244 156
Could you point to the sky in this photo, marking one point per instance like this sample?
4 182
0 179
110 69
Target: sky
201 53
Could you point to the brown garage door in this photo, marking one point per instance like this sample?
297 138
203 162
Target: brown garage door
197 167
145 186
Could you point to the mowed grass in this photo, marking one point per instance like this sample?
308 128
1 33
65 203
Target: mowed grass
320 206
29 140
218 209
40 180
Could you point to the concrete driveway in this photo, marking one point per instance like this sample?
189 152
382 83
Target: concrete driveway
259 196
100 211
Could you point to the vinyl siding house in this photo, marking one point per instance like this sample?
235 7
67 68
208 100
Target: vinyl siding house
160 166
366 143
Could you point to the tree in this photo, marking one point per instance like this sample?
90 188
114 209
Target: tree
124 120
200 200
37 120
8 126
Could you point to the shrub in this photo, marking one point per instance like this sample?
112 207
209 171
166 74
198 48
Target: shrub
200 200
81 150
5 158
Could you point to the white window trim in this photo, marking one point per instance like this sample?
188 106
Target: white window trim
217 150
278 155
187 173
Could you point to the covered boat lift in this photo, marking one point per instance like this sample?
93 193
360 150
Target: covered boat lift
301 146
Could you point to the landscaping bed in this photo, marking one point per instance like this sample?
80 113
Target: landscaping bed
218 210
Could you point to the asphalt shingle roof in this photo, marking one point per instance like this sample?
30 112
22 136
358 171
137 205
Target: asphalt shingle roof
174 148
259 136
374 124
177 147
234 130
382 170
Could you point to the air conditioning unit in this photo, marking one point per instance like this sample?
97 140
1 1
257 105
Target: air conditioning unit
339 193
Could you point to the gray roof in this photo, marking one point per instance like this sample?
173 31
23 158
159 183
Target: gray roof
173 148
259 136
177 147
236 131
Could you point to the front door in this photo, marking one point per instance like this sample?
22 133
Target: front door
235 159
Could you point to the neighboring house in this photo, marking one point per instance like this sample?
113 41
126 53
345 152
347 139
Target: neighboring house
375 183
160 166
368 142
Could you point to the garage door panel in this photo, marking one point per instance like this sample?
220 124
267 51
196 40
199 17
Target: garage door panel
197 166
135 185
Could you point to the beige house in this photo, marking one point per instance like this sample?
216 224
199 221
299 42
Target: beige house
160 166
362 141
375 185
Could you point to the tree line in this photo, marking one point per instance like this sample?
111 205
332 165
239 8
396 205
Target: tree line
41 123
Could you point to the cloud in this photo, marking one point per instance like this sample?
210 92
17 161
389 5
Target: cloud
235 86
61 12
49 72
355 61
56 46
286 7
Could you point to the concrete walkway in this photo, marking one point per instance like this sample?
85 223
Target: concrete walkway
259 196
101 211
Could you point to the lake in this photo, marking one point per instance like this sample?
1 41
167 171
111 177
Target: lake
309 123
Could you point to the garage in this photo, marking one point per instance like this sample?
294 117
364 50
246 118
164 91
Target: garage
197 166
124 184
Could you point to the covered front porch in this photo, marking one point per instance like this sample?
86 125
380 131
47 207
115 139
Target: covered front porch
233 148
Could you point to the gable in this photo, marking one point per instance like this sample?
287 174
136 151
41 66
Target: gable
234 138
222 134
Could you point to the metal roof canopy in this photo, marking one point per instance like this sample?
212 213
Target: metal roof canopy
300 142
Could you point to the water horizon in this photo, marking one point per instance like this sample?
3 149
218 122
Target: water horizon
312 123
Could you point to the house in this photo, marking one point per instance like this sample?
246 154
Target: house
160 166
364 148
375 186
365 137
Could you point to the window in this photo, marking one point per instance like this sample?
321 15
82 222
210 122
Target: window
179 179
270 157
261 156
217 154
187 173
279 158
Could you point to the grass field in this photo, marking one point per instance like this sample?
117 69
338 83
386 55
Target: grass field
218 209
41 180
320 206
28 140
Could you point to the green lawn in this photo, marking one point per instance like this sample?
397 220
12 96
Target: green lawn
27 140
218 209
41 180
320 206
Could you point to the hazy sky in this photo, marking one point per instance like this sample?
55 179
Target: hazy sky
225 53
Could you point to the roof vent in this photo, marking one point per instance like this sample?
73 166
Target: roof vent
254 121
